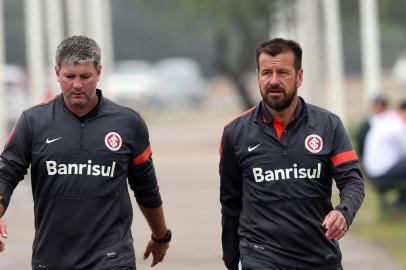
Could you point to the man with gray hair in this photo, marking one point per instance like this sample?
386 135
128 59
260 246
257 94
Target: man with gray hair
82 148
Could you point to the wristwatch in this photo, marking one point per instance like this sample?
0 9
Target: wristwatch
166 239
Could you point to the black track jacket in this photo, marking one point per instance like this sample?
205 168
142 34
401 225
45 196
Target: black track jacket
79 171
275 193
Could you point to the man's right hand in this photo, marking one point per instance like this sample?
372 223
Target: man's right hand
3 235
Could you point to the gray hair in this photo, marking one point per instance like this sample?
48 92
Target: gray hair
74 50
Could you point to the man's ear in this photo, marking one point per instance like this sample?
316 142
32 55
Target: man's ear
299 77
56 73
99 72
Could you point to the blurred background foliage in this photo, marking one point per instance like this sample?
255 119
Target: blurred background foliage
153 29
219 35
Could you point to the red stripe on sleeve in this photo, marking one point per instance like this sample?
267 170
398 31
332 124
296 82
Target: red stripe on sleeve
144 156
343 157
10 134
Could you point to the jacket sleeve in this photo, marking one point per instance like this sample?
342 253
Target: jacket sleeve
141 171
347 174
14 160
231 202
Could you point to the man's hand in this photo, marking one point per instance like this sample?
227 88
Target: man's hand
3 235
158 251
335 224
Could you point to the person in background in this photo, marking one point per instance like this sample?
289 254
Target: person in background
82 148
378 105
277 165
385 153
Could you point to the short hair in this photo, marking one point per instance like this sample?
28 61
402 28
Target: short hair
380 100
74 50
277 46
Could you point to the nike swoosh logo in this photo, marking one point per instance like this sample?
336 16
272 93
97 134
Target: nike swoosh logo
252 148
53 140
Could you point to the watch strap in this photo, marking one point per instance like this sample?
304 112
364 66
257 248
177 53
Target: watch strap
166 239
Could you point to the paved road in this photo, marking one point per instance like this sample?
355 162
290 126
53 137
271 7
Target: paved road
186 156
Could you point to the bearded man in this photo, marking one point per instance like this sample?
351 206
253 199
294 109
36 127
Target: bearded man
278 161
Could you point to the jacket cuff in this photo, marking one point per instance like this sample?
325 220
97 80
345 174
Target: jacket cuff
230 241
6 193
346 213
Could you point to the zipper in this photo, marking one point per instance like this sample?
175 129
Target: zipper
82 126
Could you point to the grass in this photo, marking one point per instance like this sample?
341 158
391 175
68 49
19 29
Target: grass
386 227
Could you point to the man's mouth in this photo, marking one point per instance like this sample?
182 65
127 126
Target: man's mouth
276 92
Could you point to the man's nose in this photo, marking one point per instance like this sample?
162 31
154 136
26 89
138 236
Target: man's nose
77 83
274 79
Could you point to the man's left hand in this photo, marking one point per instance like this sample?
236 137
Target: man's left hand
158 251
335 224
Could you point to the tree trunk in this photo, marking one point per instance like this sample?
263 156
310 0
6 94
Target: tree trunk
235 74
243 93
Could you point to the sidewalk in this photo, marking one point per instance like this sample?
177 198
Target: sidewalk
364 255
186 158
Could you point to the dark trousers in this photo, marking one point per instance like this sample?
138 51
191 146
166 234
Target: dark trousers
251 263
394 178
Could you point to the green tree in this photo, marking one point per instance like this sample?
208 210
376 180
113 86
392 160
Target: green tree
239 25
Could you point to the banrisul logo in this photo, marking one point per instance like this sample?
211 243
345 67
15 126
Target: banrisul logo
288 173
54 168
113 141
314 143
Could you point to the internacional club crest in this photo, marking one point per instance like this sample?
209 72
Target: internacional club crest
314 143
113 141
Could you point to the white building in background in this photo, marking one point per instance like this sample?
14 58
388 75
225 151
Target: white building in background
399 70
334 58
54 27
371 49
50 14
307 28
35 50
